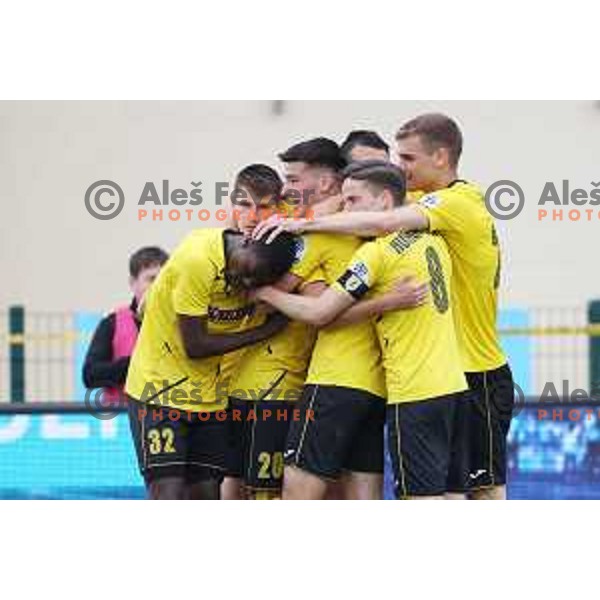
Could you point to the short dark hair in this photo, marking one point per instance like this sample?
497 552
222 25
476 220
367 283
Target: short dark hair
362 137
318 152
144 258
260 180
271 261
437 131
380 175
275 259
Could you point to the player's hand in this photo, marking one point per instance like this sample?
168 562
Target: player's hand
270 228
265 307
406 293
259 294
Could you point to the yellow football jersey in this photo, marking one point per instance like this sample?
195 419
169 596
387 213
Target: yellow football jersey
347 356
421 356
459 214
276 368
192 282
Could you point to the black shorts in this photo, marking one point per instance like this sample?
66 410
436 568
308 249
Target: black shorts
459 470
420 439
487 418
341 429
257 434
174 443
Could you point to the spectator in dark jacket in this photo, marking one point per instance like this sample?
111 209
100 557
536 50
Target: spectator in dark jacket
108 355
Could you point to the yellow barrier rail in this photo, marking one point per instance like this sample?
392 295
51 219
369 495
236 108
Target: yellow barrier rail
589 330
68 337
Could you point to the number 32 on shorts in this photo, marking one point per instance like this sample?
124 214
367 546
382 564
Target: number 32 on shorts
161 441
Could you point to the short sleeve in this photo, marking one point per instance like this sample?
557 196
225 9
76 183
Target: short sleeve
308 256
363 272
191 294
316 275
446 210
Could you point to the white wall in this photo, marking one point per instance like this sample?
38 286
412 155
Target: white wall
55 256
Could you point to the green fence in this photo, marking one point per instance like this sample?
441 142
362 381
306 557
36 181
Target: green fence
38 351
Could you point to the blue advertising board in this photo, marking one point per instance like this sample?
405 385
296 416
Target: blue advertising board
78 456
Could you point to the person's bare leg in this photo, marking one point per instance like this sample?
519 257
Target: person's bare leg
455 496
363 486
302 485
425 498
167 488
496 492
204 490
335 491
231 489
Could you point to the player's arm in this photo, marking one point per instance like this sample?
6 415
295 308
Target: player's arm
405 294
289 282
191 299
313 289
362 224
317 311
336 306
100 368
199 343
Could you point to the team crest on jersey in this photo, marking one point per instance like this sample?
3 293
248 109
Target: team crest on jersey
299 249
430 200
361 271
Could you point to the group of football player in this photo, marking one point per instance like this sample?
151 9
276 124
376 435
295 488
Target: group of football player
280 357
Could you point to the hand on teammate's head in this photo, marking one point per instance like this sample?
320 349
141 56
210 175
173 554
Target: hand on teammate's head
272 227
266 227
259 294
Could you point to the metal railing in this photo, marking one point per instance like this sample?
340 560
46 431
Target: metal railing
40 352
